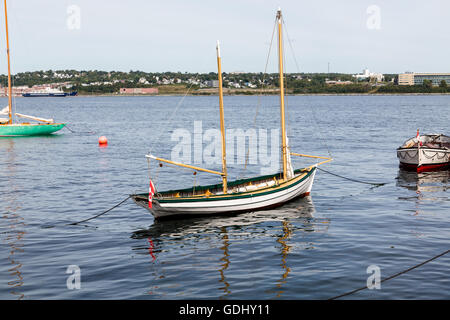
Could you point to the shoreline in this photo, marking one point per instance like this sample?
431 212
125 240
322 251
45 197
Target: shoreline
272 94
243 94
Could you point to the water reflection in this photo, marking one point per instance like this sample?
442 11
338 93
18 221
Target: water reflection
225 261
425 182
305 210
297 216
11 220
428 186
285 248
178 228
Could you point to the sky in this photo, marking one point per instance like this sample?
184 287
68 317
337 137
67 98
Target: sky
347 36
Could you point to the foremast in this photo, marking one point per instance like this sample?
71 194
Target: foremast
223 174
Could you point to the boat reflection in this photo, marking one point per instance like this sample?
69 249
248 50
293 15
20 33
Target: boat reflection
285 248
428 186
300 208
294 216
11 220
225 261
424 182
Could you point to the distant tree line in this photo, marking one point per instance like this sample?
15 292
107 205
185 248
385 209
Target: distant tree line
109 82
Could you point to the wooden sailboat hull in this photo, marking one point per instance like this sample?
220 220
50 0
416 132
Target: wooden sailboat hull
18 129
260 199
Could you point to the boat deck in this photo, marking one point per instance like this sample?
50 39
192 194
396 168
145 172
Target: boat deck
234 187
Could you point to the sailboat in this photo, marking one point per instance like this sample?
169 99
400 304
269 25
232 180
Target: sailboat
244 195
10 127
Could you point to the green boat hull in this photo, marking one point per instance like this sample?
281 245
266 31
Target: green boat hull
17 130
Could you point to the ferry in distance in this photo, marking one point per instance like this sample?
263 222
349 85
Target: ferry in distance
48 92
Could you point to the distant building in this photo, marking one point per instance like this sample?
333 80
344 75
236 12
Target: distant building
331 82
138 91
411 78
406 79
16 91
369 75
234 84
212 83
143 81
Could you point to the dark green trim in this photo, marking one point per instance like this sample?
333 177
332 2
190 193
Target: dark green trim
219 185
240 195
230 183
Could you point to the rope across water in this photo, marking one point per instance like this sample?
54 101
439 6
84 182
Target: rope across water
354 180
393 276
100 214
83 132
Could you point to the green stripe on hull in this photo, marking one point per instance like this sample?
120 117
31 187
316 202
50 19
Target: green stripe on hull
239 195
15 130
230 183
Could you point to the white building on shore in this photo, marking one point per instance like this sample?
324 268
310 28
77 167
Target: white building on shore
369 75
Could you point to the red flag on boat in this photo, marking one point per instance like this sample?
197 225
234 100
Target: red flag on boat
418 138
151 192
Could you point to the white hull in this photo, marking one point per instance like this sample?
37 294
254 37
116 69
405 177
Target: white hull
425 152
243 202
423 156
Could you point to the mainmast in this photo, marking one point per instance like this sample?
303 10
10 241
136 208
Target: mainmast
222 120
9 67
283 120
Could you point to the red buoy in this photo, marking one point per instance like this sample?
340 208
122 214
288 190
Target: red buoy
102 141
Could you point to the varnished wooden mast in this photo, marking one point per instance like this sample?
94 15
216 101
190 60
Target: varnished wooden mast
283 120
222 121
9 67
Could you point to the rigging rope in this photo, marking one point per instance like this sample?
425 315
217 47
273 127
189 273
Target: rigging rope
393 276
322 140
258 104
160 165
170 119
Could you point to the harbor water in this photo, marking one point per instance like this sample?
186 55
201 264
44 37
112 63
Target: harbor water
317 247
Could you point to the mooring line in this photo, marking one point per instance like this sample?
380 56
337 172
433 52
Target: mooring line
393 276
73 131
354 180
100 214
